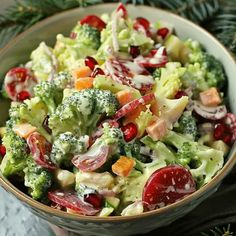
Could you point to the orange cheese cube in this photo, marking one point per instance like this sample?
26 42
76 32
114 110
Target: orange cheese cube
210 97
24 130
123 166
124 97
157 130
83 71
83 83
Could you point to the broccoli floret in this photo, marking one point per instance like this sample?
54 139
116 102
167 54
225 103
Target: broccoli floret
50 94
66 146
187 125
194 77
161 151
63 80
156 73
14 115
80 112
215 75
87 35
37 179
204 162
169 83
106 83
16 154
204 70
133 150
34 111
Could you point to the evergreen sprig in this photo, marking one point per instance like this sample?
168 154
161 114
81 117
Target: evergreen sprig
219 231
217 16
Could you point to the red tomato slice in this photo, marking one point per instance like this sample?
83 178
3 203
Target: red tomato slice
167 185
69 199
40 149
93 159
19 81
93 21
129 107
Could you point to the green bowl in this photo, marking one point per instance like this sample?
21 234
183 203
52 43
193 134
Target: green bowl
18 51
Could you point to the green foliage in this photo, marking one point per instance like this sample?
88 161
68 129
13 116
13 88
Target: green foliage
37 179
80 112
219 231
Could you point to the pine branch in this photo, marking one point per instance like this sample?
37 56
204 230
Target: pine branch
217 231
223 26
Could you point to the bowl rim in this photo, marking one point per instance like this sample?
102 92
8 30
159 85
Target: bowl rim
9 187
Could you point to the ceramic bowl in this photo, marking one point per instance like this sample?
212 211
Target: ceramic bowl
18 51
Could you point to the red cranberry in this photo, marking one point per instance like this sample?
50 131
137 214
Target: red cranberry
45 125
2 150
219 131
23 96
163 32
90 62
129 131
180 94
73 35
94 199
134 51
143 21
227 139
97 71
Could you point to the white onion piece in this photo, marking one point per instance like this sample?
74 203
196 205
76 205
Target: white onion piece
211 113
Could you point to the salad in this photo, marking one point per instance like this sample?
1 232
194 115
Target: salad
119 118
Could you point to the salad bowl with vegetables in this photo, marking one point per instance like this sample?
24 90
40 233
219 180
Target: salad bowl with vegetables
116 119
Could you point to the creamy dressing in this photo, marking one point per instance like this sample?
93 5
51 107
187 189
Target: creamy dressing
138 80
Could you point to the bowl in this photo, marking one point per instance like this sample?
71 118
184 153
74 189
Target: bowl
18 51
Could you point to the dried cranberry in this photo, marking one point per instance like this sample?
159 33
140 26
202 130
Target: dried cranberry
90 62
45 125
134 51
96 200
2 150
129 131
122 8
219 131
97 71
180 94
23 96
143 21
73 35
163 32
227 139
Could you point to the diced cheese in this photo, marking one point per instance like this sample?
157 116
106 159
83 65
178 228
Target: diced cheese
210 97
158 129
24 130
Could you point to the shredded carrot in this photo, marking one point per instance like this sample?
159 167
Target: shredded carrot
83 83
123 166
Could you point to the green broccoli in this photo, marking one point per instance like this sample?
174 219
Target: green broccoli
187 125
37 179
132 149
80 112
87 35
34 111
63 80
169 83
65 146
50 94
204 162
14 161
161 151
204 70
